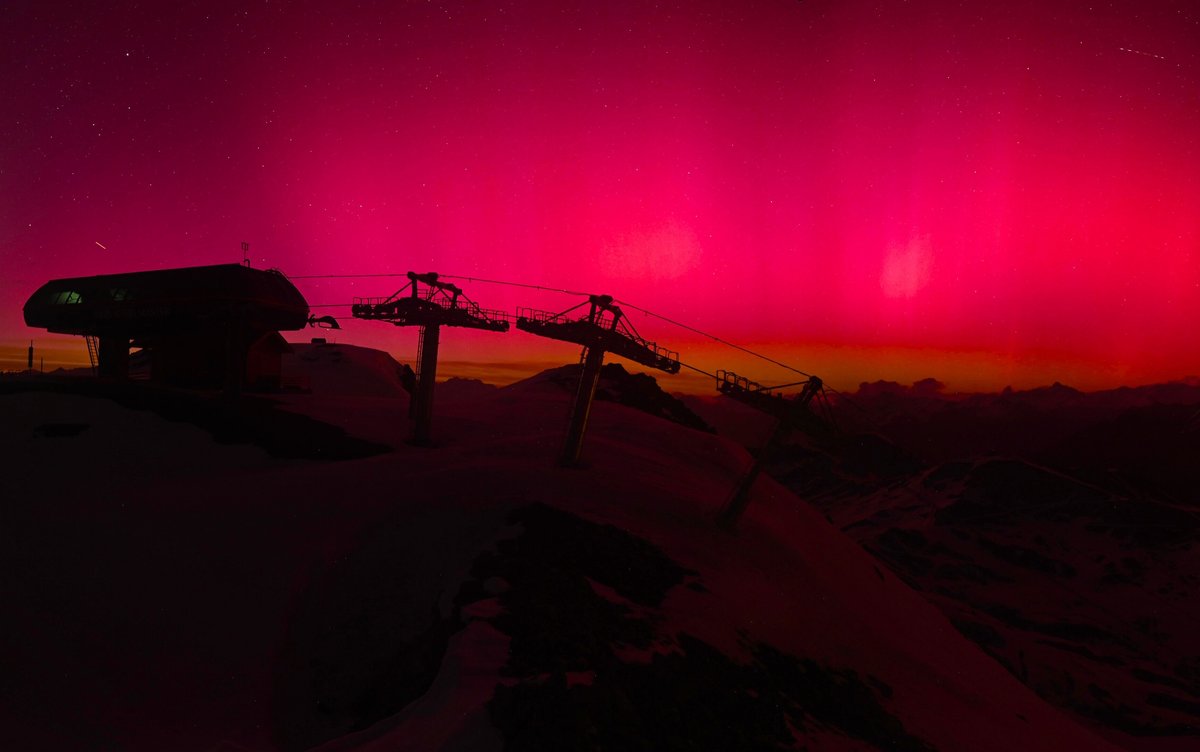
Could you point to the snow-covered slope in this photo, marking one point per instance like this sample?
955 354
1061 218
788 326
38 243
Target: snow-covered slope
1071 557
344 370
469 596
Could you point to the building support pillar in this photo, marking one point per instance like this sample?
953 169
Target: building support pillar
235 361
113 357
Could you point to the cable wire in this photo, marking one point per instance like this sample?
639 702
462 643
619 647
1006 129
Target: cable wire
715 338
347 276
515 284
567 291
698 370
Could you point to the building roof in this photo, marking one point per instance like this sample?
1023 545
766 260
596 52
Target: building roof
168 301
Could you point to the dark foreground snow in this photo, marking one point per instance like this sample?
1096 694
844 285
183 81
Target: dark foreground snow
166 591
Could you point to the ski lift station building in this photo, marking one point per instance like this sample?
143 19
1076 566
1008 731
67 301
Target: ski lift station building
201 327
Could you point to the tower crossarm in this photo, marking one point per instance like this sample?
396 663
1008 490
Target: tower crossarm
603 327
430 302
752 393
792 413
766 399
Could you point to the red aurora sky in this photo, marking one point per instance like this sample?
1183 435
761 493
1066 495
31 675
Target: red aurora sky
987 193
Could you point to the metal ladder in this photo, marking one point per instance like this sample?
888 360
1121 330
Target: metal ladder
93 347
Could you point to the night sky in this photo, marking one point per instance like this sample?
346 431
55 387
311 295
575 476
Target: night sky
986 193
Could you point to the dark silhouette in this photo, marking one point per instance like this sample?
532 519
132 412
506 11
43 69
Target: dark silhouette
205 326
435 305
603 329
795 412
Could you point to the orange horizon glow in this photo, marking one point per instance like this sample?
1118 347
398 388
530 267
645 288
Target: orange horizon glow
842 368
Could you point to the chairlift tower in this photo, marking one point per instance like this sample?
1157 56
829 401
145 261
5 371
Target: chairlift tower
430 304
795 412
603 329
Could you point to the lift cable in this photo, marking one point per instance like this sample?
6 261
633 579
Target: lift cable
715 338
346 276
566 291
698 370
516 284
443 276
